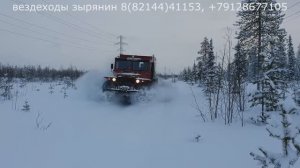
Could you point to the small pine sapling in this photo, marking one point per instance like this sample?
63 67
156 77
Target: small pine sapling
286 131
26 107
197 138
51 89
65 92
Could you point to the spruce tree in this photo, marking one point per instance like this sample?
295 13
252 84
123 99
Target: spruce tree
239 73
210 70
298 53
252 64
187 75
194 73
199 70
240 63
298 64
210 80
203 59
257 28
184 75
274 77
281 51
291 60
259 36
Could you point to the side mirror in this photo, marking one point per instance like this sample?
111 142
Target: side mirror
111 66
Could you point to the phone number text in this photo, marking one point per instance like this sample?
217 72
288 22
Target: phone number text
198 7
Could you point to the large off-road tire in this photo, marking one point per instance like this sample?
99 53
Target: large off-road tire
126 100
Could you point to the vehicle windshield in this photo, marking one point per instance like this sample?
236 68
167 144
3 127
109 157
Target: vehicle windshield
132 65
123 64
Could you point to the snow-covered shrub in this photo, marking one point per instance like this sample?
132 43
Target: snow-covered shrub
5 88
41 123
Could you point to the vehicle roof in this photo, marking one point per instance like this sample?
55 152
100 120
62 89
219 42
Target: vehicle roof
137 57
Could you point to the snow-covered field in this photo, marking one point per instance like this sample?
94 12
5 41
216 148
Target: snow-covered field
78 128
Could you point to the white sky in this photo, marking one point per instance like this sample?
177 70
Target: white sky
174 37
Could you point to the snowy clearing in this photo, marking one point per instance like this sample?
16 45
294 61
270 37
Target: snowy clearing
75 128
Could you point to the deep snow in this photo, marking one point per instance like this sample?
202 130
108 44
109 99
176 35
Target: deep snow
88 131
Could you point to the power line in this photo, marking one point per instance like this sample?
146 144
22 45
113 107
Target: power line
45 28
96 29
45 40
93 28
27 36
73 26
36 32
295 4
42 39
70 25
294 14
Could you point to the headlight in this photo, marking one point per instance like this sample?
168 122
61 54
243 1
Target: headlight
114 79
137 81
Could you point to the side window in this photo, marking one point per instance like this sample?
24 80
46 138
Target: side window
140 66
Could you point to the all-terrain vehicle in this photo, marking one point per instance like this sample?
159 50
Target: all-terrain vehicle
131 73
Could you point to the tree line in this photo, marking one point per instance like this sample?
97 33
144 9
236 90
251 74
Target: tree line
262 63
31 73
263 55
9 73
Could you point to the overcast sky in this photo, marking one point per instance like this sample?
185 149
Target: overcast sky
86 40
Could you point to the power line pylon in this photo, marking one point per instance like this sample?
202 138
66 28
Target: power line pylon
121 44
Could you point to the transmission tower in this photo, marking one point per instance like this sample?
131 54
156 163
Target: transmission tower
121 44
